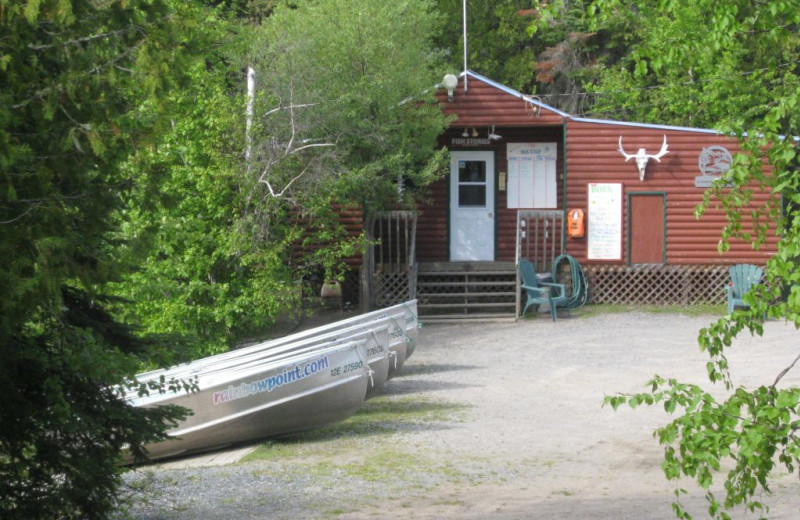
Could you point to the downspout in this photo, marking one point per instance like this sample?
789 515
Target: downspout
564 190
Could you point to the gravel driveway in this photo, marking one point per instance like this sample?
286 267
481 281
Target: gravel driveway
488 420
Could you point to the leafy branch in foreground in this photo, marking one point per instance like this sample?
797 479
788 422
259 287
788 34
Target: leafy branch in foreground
748 434
729 65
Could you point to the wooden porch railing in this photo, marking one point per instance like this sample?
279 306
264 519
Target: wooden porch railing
389 273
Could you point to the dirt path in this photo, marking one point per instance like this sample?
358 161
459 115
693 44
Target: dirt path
529 439
537 389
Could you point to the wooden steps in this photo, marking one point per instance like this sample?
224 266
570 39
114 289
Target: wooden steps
460 291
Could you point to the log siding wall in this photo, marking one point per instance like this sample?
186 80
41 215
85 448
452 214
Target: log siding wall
588 153
483 106
486 104
593 156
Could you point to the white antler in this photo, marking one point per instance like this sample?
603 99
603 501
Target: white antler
628 157
642 156
663 151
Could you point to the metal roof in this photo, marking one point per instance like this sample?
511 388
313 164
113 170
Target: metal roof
538 102
508 90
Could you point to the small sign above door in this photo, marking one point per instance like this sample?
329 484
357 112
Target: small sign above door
470 141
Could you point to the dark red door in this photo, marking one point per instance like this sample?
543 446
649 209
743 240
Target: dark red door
646 224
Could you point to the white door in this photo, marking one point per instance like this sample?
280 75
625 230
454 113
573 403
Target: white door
472 206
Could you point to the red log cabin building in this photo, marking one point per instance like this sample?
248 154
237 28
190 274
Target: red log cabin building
520 170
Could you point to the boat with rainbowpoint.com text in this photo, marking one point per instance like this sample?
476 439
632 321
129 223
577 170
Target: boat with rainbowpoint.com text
287 385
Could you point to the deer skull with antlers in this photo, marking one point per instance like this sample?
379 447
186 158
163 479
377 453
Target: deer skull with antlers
642 156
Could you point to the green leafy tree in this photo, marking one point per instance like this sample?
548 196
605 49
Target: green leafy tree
81 85
197 275
498 44
550 49
730 65
678 74
344 113
221 243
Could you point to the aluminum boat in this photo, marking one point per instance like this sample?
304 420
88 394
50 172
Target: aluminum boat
403 335
298 382
266 399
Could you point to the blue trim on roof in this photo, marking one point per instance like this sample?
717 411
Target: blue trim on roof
536 101
645 125
511 91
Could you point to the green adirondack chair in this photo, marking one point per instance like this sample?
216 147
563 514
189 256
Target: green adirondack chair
743 277
537 293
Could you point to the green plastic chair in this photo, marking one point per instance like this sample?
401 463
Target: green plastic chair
537 293
743 278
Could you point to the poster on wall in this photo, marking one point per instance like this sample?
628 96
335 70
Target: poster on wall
605 222
531 175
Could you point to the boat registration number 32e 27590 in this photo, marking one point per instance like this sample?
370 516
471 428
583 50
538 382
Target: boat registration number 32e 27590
349 367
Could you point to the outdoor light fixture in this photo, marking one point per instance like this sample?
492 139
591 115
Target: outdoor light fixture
474 132
465 133
450 82
493 136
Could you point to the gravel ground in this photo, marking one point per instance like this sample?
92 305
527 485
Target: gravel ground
491 420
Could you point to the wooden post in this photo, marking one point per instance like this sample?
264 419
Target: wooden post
367 269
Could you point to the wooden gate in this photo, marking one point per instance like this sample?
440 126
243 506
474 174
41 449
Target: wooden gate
540 237
389 274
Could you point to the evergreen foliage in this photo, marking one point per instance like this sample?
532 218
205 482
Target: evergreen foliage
80 87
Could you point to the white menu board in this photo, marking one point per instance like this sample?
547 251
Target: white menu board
605 222
531 175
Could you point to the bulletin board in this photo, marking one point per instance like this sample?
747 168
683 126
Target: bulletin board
532 175
605 222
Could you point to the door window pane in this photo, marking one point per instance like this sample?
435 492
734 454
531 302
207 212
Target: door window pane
472 195
471 171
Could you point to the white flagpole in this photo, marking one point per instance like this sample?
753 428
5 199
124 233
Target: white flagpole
251 94
464 18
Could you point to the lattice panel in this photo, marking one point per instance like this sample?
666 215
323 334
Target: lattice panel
657 285
389 264
390 288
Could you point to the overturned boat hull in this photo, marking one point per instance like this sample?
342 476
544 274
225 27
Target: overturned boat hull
295 383
403 334
276 398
